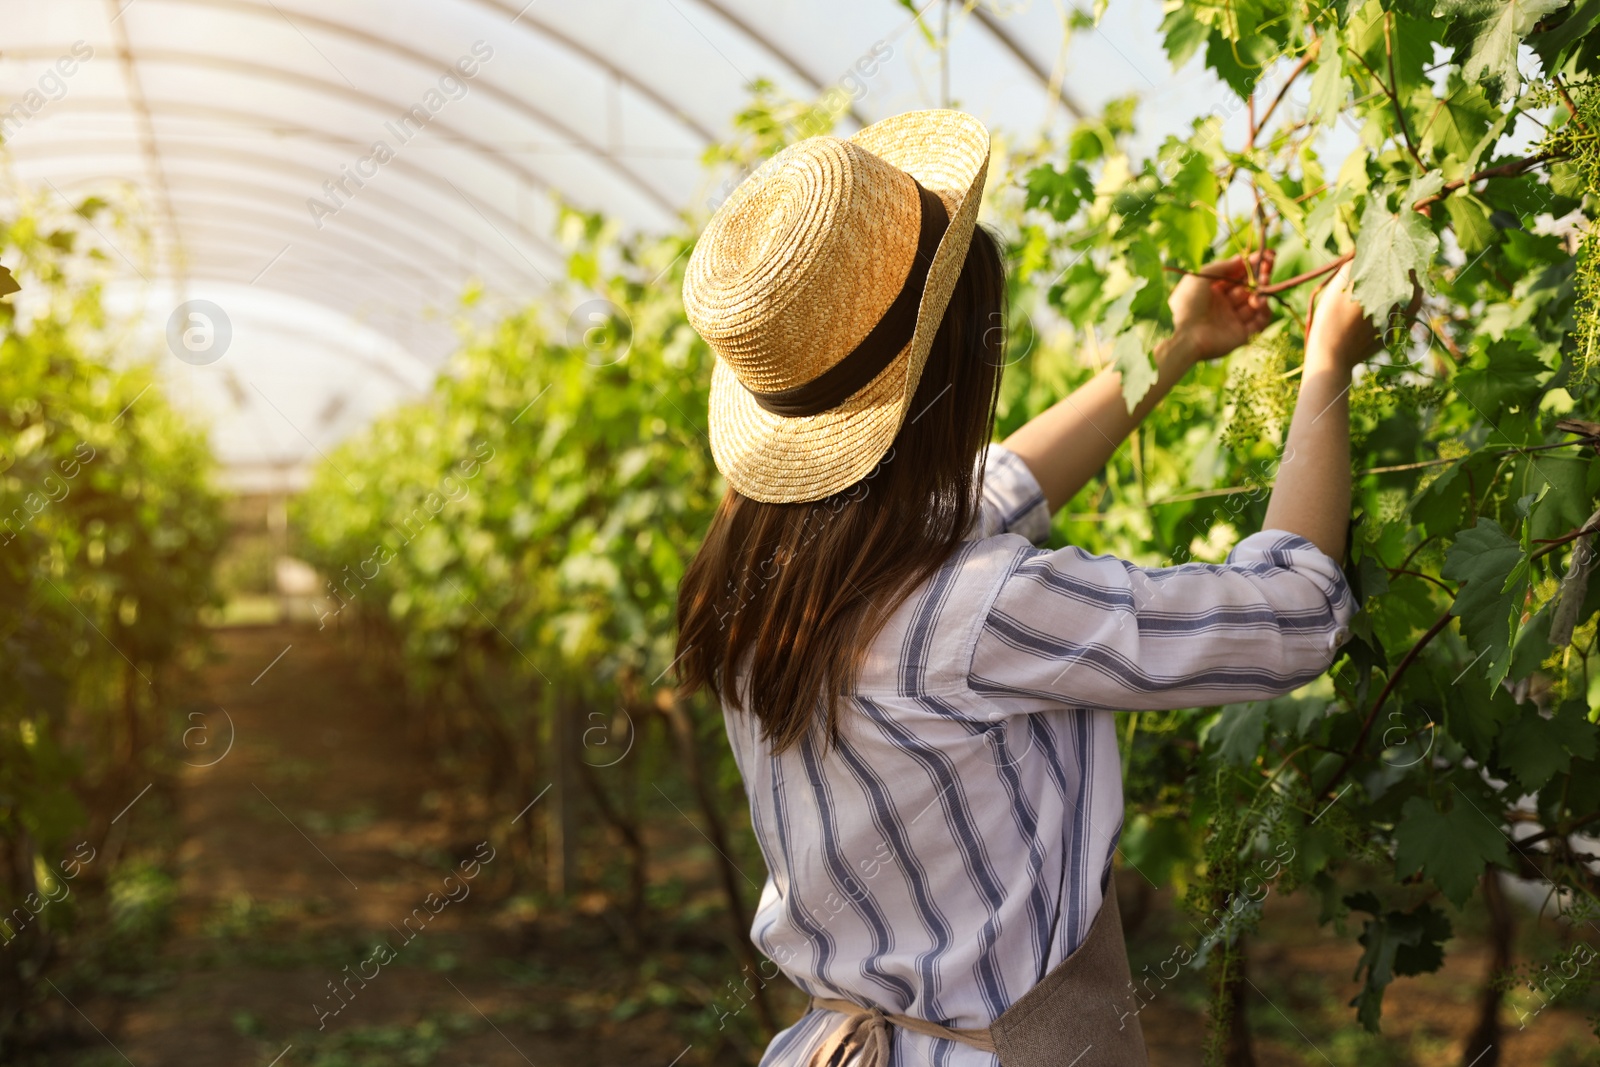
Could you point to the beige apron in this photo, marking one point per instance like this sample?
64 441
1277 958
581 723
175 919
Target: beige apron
1070 1019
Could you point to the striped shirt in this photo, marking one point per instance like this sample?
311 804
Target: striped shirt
957 843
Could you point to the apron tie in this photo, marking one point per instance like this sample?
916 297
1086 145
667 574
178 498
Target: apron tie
866 1031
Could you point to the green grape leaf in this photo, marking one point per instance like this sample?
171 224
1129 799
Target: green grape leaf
1485 35
1426 954
1422 187
1553 45
1450 848
1238 50
1395 944
1535 749
1475 717
1470 222
1060 193
1388 248
1505 376
1237 732
1439 505
1581 789
1569 503
1323 221
1482 558
1131 357
1288 209
1184 218
1119 312
1182 34
1330 88
1456 123
1379 30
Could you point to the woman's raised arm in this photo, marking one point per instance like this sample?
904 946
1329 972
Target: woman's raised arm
1311 496
1069 443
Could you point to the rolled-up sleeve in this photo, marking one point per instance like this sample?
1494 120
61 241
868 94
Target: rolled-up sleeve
1012 499
1096 631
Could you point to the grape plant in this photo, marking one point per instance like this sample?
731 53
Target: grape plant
1455 737
109 528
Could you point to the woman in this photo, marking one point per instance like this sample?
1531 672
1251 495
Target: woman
919 700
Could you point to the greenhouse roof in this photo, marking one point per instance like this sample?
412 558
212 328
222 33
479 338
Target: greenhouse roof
333 176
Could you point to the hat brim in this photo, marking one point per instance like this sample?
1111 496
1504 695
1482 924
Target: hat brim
780 459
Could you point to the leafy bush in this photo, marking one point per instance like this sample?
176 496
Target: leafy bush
108 530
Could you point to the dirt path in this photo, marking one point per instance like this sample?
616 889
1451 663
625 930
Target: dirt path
315 837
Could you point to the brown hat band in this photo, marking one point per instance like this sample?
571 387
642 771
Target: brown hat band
886 340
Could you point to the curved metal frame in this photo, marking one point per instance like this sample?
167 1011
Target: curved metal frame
381 261
351 268
353 356
260 196
258 161
396 48
204 266
376 104
134 88
397 245
307 291
811 79
316 245
1012 45
527 15
373 264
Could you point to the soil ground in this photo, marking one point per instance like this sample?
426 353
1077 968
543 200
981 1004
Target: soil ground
326 825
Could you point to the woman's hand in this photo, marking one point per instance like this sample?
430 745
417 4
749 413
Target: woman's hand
1218 310
1341 335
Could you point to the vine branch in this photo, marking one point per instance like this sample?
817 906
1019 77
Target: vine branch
1394 92
1305 61
1410 657
1301 279
1508 169
1377 705
1566 98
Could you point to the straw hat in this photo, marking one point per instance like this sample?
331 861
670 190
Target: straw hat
819 285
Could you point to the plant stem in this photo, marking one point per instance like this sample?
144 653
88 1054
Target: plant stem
1305 61
1301 279
1394 91
1570 828
1377 705
1561 87
1424 577
1504 170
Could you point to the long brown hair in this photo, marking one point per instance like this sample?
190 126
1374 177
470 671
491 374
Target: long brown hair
797 592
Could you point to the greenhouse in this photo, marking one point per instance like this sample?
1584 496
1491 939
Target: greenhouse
511 514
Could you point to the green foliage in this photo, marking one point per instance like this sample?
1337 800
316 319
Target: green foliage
1395 943
108 530
1485 35
541 498
1483 559
1467 498
1389 249
1451 847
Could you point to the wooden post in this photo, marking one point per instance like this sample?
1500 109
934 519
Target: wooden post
560 845
716 832
1483 1046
